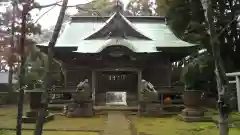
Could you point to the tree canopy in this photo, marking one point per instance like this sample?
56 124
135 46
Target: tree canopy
187 21
6 19
106 8
34 57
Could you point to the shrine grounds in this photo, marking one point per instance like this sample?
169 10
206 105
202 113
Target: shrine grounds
96 125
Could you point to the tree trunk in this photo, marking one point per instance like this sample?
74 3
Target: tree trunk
48 80
219 69
10 60
22 70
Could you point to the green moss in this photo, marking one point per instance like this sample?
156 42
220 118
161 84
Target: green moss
150 126
60 122
49 133
9 115
234 116
172 126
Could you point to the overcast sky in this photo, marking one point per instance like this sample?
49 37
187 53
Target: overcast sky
50 18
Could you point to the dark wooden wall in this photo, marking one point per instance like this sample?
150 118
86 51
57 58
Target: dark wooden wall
156 68
158 71
74 75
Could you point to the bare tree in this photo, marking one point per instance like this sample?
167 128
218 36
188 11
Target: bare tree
48 80
22 68
219 69
10 61
27 6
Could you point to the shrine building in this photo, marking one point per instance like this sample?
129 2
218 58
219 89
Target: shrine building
115 53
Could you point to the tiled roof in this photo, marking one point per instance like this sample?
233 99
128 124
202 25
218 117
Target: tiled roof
76 34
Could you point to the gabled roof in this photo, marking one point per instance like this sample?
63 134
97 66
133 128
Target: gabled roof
145 34
117 26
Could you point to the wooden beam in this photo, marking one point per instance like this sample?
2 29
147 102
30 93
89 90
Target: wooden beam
232 82
233 74
93 85
139 88
119 69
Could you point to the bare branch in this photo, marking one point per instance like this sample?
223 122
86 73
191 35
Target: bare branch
45 6
44 14
48 84
54 4
224 29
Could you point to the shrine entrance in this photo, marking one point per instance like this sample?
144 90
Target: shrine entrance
116 87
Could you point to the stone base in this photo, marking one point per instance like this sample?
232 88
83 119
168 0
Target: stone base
151 109
86 111
81 112
192 112
195 119
193 115
31 117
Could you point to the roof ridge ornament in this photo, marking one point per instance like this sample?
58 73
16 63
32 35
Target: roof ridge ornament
119 6
117 26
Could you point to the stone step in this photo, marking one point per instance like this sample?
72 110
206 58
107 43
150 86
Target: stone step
55 107
60 101
158 114
173 105
106 112
116 108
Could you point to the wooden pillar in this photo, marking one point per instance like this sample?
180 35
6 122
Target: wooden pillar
139 84
139 89
65 79
65 75
169 72
238 91
93 85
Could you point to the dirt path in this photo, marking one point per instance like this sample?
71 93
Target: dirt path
117 124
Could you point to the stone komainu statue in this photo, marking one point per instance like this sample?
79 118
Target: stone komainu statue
80 106
83 92
148 93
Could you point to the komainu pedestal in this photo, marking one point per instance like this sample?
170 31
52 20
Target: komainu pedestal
152 109
85 109
192 115
193 111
